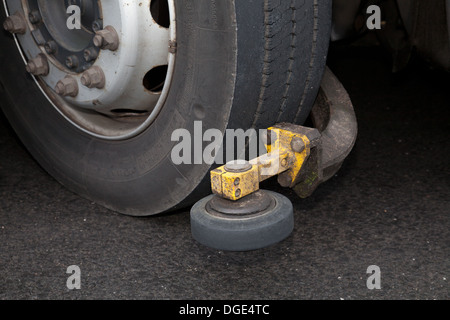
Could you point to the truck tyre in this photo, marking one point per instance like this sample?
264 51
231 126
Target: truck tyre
237 64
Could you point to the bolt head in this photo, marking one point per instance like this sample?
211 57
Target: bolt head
93 78
86 80
90 54
34 16
284 180
72 62
67 87
38 66
8 24
107 39
15 24
59 88
98 41
31 67
297 145
50 47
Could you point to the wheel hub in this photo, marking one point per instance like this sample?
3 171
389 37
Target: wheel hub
66 46
111 76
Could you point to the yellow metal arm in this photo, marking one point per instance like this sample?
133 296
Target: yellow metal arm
287 152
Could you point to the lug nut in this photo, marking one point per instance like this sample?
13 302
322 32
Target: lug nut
34 16
50 47
93 78
15 24
90 54
297 145
72 62
107 39
38 66
67 87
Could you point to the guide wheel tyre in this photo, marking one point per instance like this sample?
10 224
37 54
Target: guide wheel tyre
253 222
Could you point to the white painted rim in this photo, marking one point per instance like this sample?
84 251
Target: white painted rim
143 45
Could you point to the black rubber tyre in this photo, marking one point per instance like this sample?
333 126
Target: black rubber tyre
239 64
243 233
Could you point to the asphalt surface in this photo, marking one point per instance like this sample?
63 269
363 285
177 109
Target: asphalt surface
388 206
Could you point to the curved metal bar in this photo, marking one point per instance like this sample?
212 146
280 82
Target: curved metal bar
334 116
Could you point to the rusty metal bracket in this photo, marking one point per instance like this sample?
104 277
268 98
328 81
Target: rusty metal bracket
302 157
288 149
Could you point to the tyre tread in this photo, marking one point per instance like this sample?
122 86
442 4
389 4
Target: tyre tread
290 46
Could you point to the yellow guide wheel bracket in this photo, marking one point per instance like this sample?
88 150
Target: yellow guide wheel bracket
289 148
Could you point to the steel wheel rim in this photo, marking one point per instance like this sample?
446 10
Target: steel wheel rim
126 105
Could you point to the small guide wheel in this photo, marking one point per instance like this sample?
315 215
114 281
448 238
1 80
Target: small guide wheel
256 221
